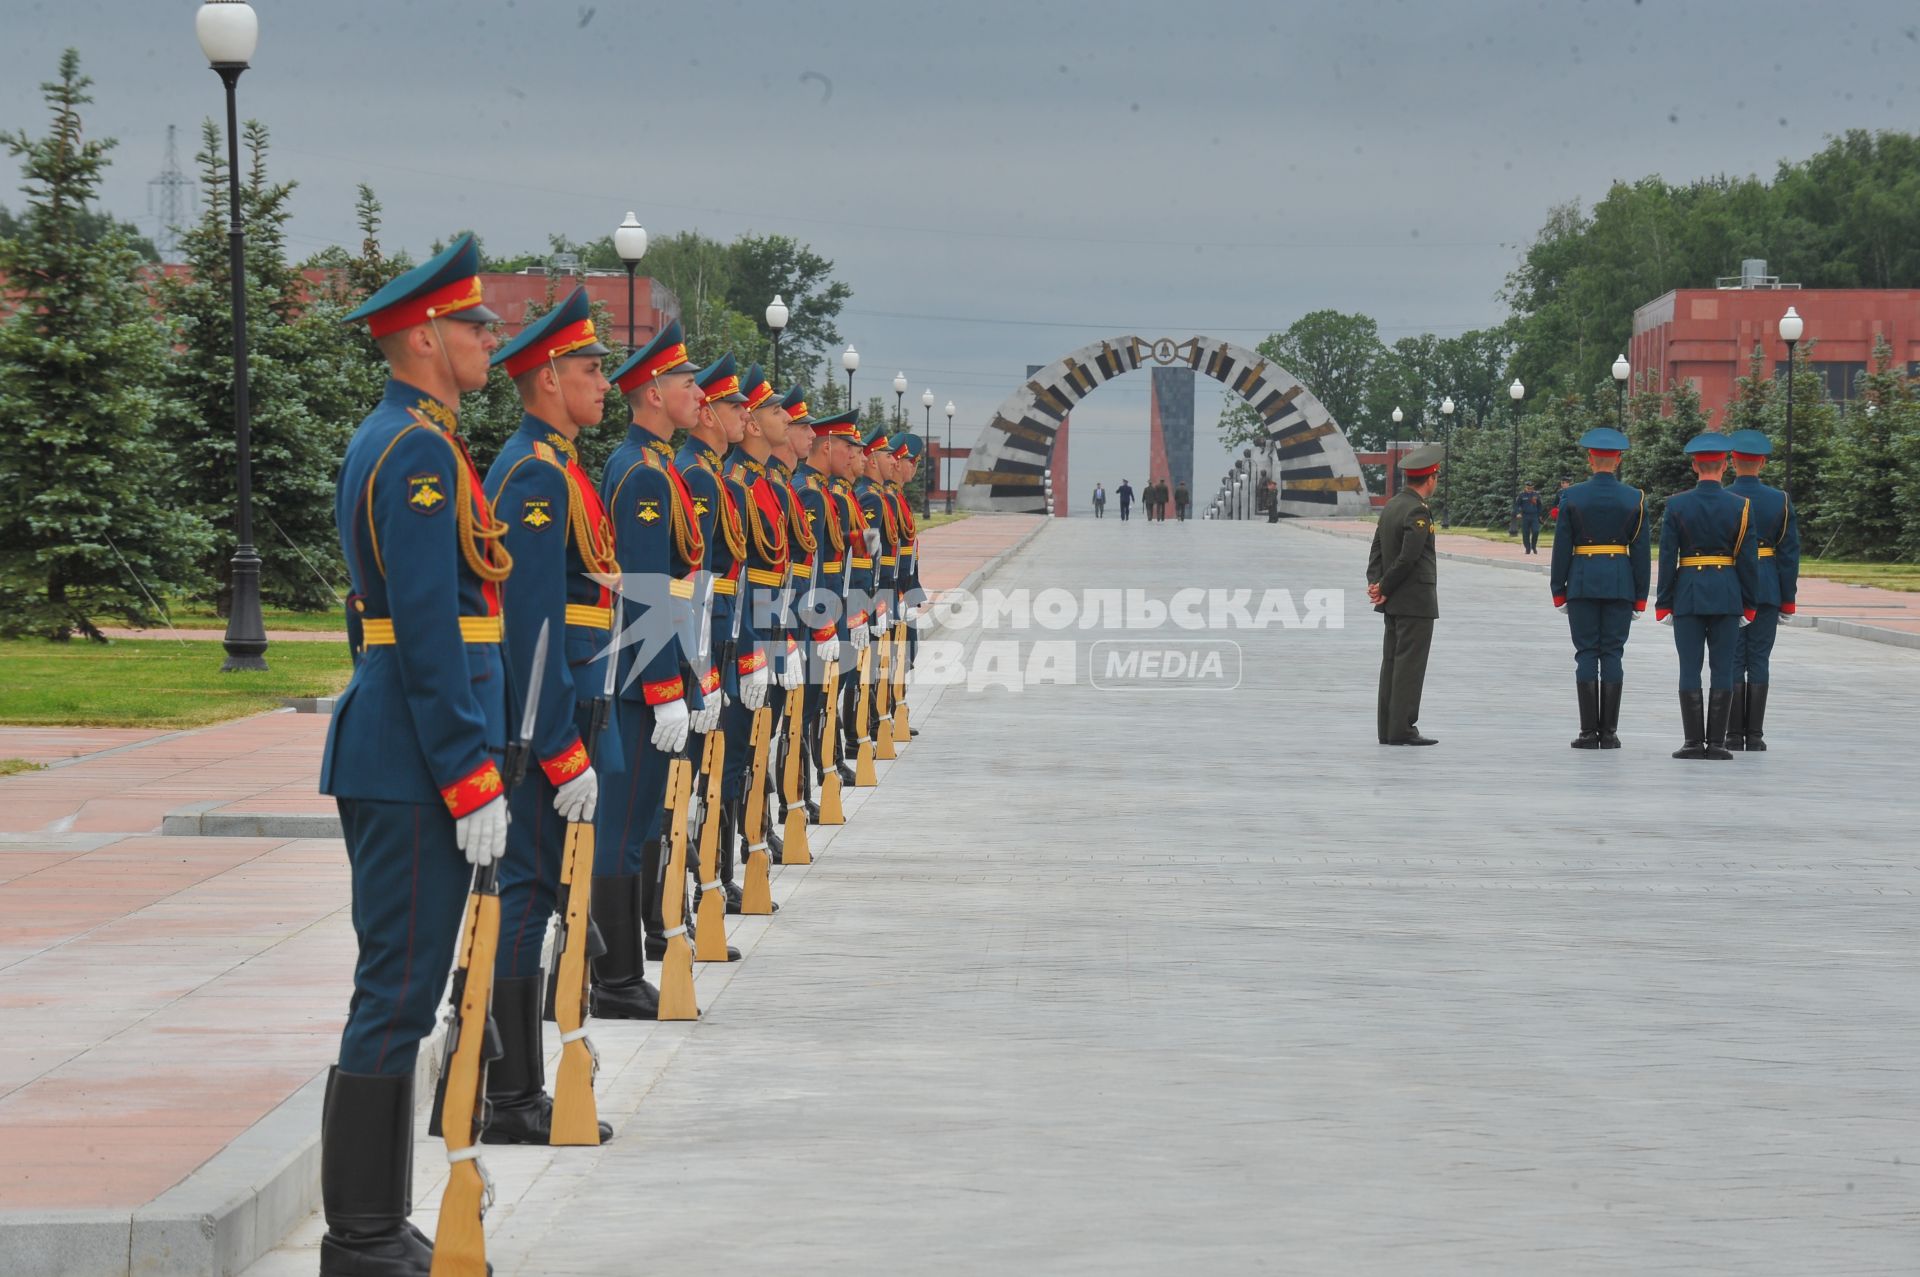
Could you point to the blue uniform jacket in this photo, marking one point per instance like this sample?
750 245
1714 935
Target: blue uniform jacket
860 578
424 717
1602 512
800 561
1777 525
763 580
1707 521
906 577
825 518
699 465
540 493
639 490
877 506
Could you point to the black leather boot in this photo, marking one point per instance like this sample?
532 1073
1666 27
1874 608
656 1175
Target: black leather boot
366 1179
1589 737
1693 721
1756 717
1610 715
620 988
1719 702
519 1109
730 834
1737 718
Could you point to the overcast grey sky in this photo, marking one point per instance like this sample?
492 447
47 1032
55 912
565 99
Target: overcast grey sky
1002 182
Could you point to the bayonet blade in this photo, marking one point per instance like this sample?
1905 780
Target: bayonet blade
535 677
613 656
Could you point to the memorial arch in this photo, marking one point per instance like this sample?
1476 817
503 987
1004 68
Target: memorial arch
1319 474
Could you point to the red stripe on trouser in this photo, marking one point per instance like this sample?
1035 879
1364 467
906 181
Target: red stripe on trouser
406 972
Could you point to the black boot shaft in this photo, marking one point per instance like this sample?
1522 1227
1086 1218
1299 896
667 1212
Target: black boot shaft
1719 704
1756 716
1693 724
1610 715
1589 697
366 1178
1737 718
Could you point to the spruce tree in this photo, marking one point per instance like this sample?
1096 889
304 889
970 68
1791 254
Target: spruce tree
90 519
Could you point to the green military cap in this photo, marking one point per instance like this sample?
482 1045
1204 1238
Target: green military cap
1422 462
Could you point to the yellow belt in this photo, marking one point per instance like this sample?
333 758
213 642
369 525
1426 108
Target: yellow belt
887 560
1707 561
377 631
725 585
862 563
594 618
681 587
1766 552
765 576
803 565
833 566
1599 549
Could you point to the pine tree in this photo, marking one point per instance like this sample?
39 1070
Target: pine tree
1860 512
308 376
89 521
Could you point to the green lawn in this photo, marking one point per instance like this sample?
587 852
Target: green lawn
202 616
154 682
14 766
935 520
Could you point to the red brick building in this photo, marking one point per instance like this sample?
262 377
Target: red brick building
509 296
1707 335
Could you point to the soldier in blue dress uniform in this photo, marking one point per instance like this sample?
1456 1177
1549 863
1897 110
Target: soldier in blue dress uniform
720 425
413 749
794 438
558 536
1709 588
657 540
1601 573
824 611
762 584
873 491
907 590
1776 525
864 538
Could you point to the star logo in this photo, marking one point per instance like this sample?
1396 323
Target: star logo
648 512
423 493
537 514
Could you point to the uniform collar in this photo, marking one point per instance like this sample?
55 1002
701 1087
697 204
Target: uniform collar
538 431
407 395
1708 483
1608 475
1748 482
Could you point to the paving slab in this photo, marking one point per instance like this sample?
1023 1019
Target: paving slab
1160 979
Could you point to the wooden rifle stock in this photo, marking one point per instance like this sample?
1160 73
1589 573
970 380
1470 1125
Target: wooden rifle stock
794 849
676 967
883 696
902 726
710 926
830 810
864 777
576 1115
756 892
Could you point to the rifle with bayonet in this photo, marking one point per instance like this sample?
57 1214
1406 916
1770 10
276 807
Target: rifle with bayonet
794 849
710 922
829 751
864 776
460 1241
576 1117
677 1000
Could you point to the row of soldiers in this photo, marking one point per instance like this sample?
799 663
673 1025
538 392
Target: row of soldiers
561 688
1729 570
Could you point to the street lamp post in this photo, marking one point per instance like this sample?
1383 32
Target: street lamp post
776 321
850 360
1387 480
946 480
1622 370
1446 462
228 30
1515 392
630 242
926 472
899 400
1792 328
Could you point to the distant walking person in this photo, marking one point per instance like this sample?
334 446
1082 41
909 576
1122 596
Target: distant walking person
1182 502
1526 512
1401 583
1272 494
1126 499
1099 501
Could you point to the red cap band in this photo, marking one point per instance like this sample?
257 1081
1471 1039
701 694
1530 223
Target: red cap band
441 302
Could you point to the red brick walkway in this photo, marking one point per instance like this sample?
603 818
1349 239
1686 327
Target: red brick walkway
159 995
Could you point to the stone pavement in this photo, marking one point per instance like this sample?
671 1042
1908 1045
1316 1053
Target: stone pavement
166 1002
1856 611
1156 980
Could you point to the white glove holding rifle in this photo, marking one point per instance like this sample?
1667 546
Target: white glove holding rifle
575 800
753 688
482 833
670 721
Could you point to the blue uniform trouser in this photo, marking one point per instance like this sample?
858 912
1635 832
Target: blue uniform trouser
1715 637
736 722
1529 534
629 813
1753 649
1600 629
410 887
529 875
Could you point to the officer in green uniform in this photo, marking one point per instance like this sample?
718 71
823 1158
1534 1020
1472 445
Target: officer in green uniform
1401 582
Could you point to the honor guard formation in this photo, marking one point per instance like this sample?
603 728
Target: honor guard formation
1729 570
596 710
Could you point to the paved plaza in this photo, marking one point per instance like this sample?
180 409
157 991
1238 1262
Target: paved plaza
1141 979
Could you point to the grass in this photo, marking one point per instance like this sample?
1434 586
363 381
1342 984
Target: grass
202 616
14 766
935 520
154 682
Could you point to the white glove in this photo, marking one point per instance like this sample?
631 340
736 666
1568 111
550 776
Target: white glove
1637 613
670 726
857 637
872 537
575 800
1561 608
829 650
1667 620
482 834
878 627
753 688
793 672
707 717
1744 622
